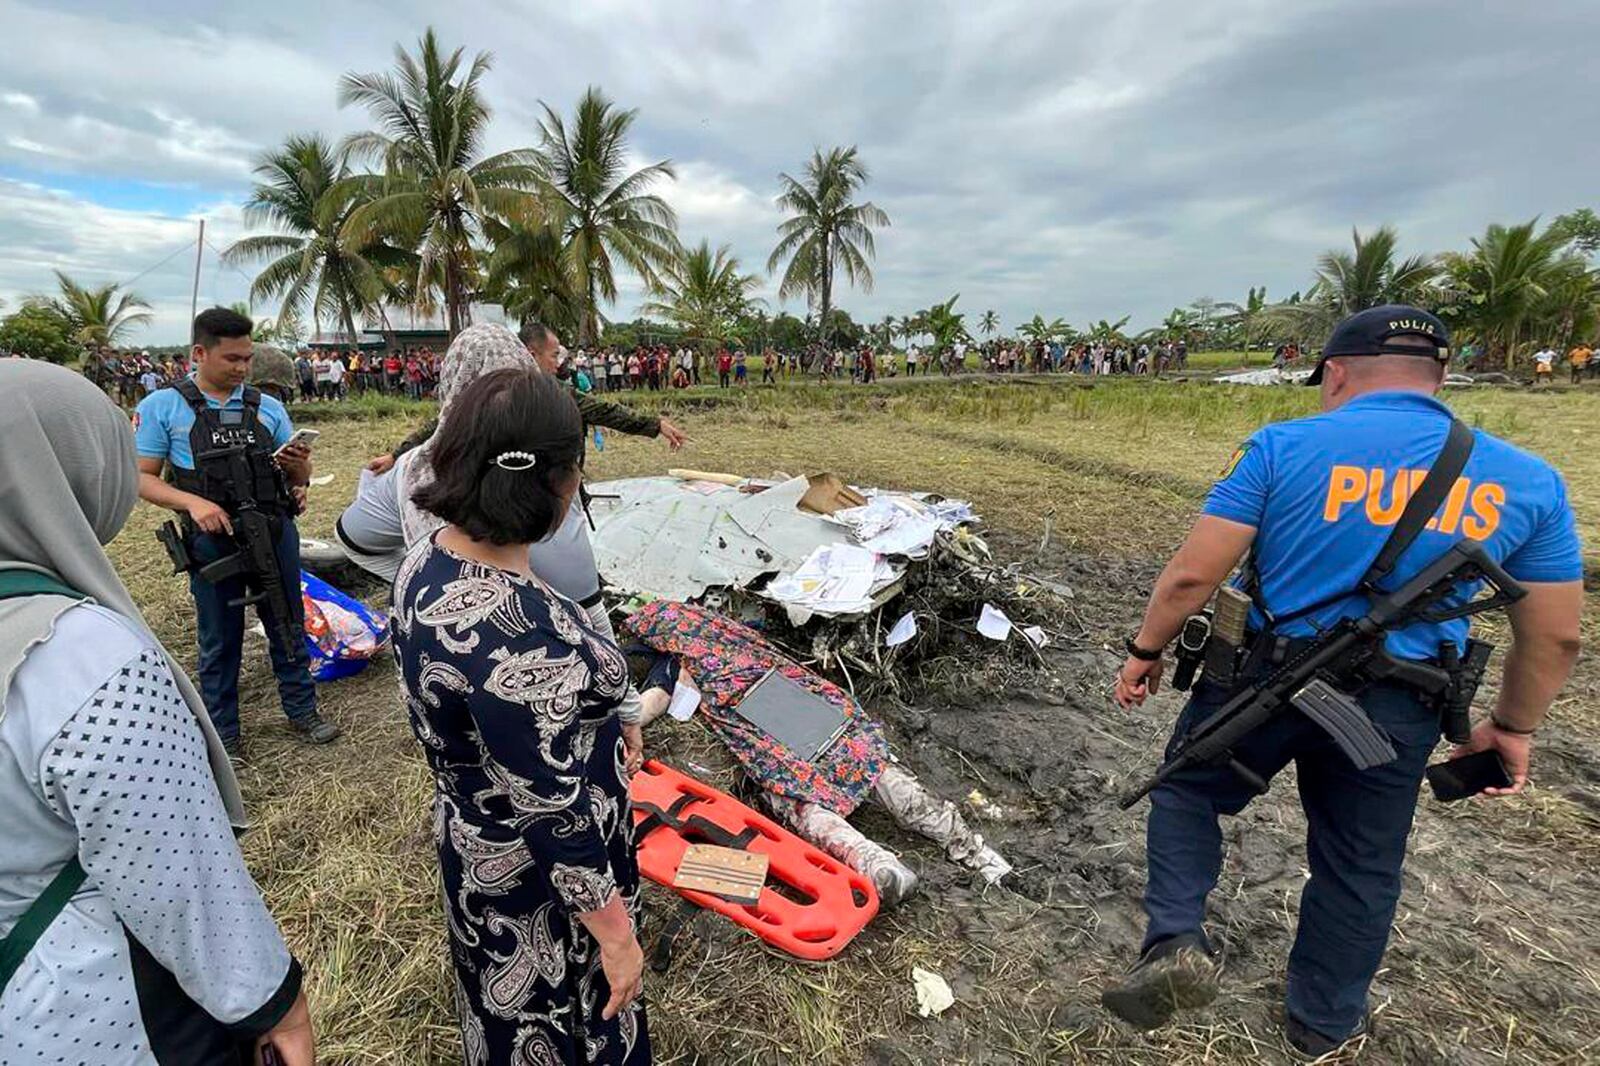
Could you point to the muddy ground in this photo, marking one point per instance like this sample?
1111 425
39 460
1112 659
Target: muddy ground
1492 956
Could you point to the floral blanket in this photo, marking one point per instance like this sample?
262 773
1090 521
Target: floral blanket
726 660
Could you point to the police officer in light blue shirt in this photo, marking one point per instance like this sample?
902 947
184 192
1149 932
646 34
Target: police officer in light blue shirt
1315 499
215 403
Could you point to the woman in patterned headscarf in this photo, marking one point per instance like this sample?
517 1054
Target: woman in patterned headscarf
514 698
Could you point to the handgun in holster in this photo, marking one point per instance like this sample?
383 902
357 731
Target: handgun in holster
1190 650
176 542
1466 673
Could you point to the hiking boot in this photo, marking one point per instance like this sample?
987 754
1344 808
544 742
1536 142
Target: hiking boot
1175 974
1308 1045
315 729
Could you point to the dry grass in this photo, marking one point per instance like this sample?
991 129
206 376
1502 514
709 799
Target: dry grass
342 849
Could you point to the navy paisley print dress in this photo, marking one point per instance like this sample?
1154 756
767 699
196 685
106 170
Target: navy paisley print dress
512 697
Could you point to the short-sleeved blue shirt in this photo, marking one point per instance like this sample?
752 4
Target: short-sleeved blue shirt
163 420
1324 493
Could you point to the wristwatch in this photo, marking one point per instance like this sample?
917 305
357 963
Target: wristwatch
1143 654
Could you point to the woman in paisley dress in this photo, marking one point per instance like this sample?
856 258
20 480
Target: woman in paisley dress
513 696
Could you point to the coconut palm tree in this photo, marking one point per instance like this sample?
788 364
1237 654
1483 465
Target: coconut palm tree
989 323
606 213
302 192
1517 281
1371 274
826 230
529 274
1347 282
704 294
98 317
436 189
886 331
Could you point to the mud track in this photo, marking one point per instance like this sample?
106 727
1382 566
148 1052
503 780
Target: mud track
1493 937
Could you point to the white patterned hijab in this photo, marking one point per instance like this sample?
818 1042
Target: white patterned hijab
476 351
69 478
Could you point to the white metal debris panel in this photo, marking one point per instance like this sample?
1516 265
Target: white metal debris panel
660 536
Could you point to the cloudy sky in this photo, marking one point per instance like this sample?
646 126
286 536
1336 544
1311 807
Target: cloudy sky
1078 158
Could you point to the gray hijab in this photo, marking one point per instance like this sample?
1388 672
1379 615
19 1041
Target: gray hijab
476 351
68 481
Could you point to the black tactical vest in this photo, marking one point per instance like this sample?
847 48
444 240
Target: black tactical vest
217 436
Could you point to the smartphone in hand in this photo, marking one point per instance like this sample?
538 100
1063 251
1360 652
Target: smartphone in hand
307 437
1468 776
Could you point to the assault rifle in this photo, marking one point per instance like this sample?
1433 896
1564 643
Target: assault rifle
255 560
1350 654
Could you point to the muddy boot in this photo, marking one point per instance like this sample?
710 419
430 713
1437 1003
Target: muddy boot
893 878
1176 974
920 811
1308 1045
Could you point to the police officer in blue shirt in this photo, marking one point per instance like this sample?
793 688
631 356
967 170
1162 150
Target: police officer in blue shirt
172 426
1315 500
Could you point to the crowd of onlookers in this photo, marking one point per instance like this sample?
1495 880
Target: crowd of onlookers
129 375
658 367
335 375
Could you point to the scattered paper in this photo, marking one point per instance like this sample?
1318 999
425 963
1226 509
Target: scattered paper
891 525
952 513
1036 636
685 700
834 579
325 479
903 630
993 623
933 992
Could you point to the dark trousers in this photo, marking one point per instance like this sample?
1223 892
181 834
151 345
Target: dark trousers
220 629
1358 822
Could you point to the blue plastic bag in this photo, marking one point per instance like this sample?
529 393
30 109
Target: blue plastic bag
342 633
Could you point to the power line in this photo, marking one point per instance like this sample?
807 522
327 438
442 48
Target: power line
158 266
222 262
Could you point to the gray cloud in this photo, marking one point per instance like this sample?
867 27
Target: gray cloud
1086 159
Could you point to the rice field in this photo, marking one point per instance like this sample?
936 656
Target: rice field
1110 475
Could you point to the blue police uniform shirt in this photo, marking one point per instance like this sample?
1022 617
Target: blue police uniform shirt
163 421
1324 493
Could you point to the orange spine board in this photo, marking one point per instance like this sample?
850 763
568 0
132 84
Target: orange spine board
812 904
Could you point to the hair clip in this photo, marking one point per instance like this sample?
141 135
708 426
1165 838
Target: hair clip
516 460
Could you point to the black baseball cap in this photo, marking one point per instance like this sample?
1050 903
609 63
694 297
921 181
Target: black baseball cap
1370 332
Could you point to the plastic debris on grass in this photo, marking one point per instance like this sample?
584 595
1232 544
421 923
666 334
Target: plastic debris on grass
933 992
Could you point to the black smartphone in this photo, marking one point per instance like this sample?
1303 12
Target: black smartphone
1468 776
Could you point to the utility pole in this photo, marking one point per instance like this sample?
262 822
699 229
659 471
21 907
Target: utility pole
194 296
